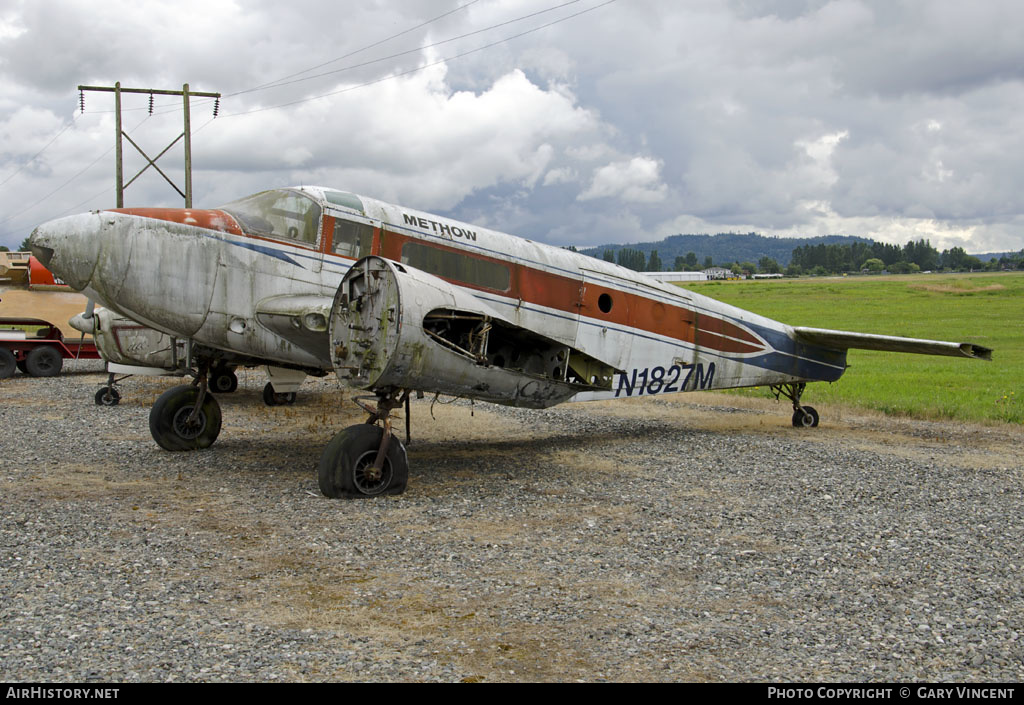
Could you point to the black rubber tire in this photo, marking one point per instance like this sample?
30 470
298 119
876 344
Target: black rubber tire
345 462
44 361
8 364
223 380
168 417
808 418
108 396
272 398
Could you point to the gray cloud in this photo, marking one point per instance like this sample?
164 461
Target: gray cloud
885 119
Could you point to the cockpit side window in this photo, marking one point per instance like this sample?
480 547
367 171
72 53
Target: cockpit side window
352 239
280 214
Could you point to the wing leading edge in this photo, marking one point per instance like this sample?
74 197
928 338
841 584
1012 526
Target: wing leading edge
890 343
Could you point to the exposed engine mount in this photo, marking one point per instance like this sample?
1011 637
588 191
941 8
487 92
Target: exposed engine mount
396 327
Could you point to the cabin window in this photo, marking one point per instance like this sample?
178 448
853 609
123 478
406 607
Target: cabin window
281 214
352 239
457 266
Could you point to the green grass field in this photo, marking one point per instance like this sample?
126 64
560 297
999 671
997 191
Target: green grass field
987 309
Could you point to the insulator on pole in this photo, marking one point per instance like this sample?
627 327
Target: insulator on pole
216 106
81 100
151 105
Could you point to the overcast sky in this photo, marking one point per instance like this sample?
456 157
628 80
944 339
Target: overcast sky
634 120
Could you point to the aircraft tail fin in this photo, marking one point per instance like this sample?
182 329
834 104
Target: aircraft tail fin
866 341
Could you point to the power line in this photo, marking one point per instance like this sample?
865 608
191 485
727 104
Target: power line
36 155
274 83
425 66
282 82
279 81
79 173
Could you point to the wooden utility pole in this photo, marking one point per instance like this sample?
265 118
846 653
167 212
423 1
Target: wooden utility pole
186 95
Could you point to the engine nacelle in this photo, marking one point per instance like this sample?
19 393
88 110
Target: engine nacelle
396 327
122 341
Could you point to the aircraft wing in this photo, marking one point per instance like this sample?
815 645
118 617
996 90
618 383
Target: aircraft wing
865 341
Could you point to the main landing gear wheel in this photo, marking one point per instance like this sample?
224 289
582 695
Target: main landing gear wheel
272 398
805 417
223 380
347 465
176 424
108 396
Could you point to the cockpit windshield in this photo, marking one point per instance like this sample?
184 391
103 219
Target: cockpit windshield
283 214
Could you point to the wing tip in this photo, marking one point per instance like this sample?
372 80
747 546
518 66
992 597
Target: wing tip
978 352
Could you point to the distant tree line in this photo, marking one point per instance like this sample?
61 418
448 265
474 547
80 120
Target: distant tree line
915 256
721 249
826 258
634 259
1011 261
688 263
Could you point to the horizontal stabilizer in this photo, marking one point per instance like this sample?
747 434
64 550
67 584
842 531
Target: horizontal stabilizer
865 341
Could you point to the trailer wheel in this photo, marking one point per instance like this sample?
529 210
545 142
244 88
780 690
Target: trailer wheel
44 361
7 363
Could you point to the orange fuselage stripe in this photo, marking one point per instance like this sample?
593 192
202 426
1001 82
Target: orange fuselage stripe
562 293
528 284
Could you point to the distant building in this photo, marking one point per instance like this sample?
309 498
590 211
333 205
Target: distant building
717 273
677 276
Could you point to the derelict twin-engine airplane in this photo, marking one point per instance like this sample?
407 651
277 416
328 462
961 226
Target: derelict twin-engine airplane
395 301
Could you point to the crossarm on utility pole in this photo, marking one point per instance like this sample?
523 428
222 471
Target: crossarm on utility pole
186 95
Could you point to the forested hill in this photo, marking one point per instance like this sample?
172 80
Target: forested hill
727 247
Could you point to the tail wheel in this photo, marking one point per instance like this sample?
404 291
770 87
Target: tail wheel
174 425
805 417
347 465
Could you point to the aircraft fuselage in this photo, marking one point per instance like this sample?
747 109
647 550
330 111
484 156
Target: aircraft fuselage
256 278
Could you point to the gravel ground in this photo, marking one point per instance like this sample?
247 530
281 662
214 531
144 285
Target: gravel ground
668 539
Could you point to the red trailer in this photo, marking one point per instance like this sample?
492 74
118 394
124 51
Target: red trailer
38 348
